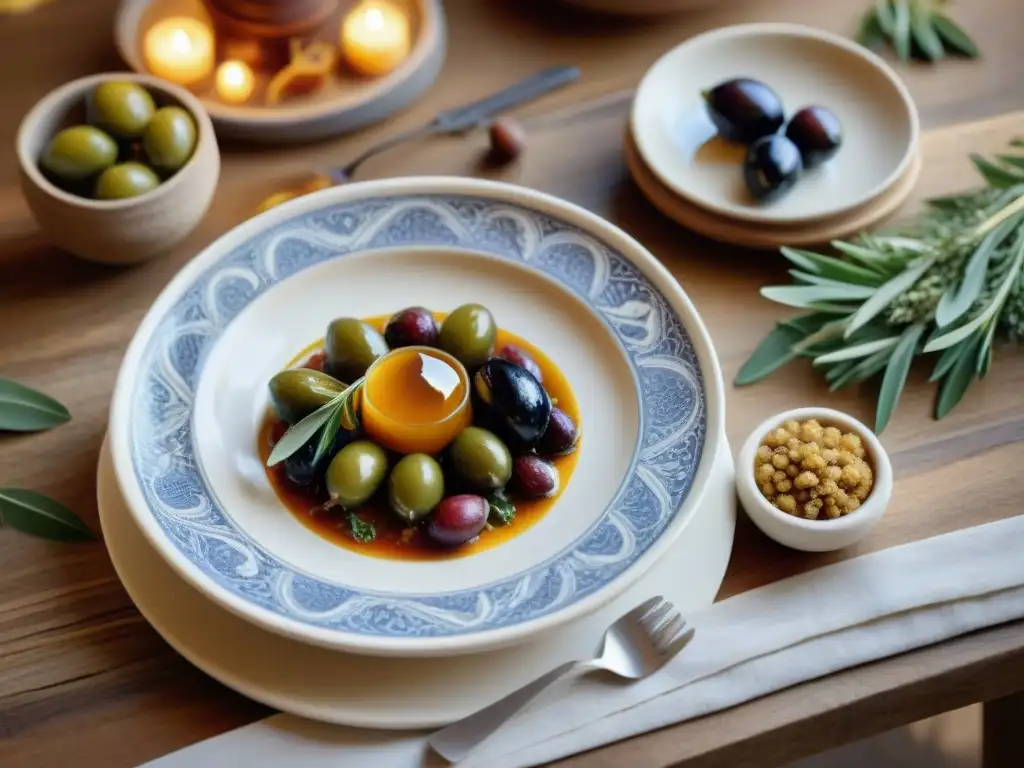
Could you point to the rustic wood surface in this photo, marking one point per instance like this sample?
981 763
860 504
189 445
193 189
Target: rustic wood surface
82 676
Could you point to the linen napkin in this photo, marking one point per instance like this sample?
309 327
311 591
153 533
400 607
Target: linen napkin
747 646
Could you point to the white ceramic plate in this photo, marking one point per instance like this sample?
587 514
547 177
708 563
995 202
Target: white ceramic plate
805 66
393 693
339 107
191 393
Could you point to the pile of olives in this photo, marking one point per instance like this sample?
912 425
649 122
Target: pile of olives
503 456
749 112
127 147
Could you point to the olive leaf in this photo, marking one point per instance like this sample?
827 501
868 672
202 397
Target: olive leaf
996 175
870 33
501 511
832 268
915 28
362 531
327 434
35 514
953 37
901 28
924 34
777 349
895 377
331 414
959 378
23 409
887 292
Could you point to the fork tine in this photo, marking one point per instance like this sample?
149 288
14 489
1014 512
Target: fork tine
641 610
679 643
653 619
667 631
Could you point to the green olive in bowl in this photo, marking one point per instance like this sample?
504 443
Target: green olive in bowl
125 180
121 108
78 153
170 139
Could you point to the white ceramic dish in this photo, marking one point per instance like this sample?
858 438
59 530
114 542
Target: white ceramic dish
191 394
804 66
338 108
815 535
393 693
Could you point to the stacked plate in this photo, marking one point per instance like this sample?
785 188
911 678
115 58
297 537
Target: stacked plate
261 602
695 177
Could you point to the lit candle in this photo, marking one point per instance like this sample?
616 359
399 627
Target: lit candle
375 37
235 82
180 50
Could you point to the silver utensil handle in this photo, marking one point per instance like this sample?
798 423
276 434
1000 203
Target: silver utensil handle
460 738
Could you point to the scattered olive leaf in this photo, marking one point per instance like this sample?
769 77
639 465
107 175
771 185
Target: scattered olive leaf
23 409
362 531
35 514
914 28
501 511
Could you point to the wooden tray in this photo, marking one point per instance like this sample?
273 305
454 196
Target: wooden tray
343 104
761 235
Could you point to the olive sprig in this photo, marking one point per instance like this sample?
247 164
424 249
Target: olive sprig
23 409
342 411
915 28
946 284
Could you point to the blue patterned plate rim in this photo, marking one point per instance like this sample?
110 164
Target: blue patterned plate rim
628 283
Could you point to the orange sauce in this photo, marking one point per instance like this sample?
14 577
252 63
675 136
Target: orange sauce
394 541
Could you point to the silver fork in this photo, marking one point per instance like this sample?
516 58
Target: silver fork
635 646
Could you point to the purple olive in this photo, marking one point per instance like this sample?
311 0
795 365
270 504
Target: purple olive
534 477
510 402
561 436
522 358
817 133
458 519
743 110
412 327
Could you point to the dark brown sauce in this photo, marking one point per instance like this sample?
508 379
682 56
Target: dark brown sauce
395 541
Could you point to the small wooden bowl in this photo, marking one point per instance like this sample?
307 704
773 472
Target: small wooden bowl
116 231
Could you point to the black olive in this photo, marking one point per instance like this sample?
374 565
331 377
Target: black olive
299 467
771 167
817 133
744 110
511 402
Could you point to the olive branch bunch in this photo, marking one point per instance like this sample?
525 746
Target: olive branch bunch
918 28
947 285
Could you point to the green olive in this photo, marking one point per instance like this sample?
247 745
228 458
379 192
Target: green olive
298 392
415 487
356 473
351 347
122 109
468 334
125 180
169 139
481 459
78 153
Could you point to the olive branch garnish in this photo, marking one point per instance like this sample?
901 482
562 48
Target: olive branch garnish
948 283
914 28
328 419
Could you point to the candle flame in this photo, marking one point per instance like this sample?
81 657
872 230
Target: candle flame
180 41
233 73
374 19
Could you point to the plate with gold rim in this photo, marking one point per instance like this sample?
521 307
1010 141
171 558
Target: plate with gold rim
191 396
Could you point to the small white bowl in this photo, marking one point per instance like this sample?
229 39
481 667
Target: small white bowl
815 535
805 66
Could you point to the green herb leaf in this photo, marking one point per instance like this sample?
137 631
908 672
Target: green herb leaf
501 511
954 38
806 324
925 36
1017 161
832 268
870 33
948 359
959 299
771 354
959 378
327 434
362 531
901 28
996 175
37 515
884 15
870 259
885 295
857 351
802 296
863 370
1019 142
300 434
896 375
985 352
23 409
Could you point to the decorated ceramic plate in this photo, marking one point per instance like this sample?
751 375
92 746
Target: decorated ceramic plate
620 347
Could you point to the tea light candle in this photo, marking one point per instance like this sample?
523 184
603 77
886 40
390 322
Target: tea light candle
180 50
235 82
375 37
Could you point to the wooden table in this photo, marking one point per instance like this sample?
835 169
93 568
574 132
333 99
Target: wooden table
84 679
